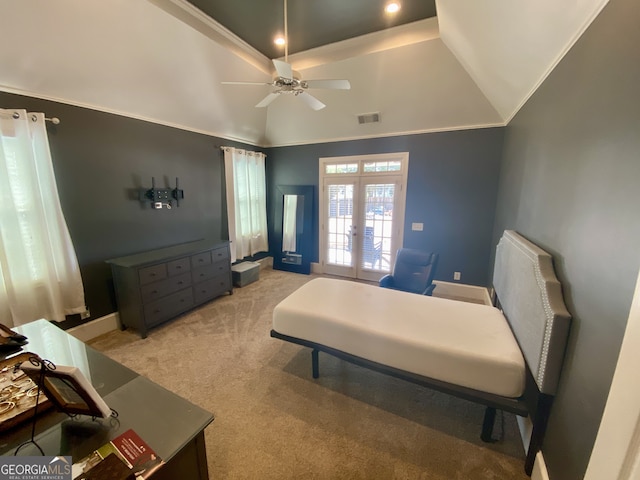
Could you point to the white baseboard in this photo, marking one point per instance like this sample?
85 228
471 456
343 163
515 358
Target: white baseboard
266 262
539 467
462 290
539 471
526 427
316 267
95 328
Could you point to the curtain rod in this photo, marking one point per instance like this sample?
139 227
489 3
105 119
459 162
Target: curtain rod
54 120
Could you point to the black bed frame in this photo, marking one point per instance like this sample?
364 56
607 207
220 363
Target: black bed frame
532 403
529 294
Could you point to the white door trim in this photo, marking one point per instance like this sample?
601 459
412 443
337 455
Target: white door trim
360 160
616 452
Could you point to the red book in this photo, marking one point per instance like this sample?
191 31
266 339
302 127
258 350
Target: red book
134 453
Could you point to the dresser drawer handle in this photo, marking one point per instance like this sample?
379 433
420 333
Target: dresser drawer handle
157 311
154 292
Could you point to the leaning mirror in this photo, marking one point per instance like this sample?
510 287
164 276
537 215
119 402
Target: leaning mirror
293 228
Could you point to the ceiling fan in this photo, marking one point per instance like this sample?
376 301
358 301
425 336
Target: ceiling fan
289 82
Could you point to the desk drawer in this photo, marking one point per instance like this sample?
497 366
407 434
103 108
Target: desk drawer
167 307
156 290
152 273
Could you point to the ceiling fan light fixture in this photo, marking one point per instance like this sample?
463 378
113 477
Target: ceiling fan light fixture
279 40
286 80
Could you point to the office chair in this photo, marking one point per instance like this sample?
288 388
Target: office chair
413 271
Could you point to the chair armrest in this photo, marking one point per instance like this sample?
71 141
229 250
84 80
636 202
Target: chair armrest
386 281
429 289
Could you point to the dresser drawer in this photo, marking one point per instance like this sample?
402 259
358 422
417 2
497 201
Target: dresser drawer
167 307
156 290
212 288
203 273
220 254
152 273
200 259
220 267
176 267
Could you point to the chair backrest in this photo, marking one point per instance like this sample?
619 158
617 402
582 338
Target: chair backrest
413 270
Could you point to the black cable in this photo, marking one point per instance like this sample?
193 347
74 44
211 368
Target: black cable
44 366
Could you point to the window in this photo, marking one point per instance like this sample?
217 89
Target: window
39 272
246 202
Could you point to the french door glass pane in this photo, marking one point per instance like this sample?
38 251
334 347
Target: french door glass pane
378 230
340 221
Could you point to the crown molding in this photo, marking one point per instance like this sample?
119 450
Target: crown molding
198 20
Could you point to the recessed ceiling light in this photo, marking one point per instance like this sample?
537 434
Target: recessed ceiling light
392 7
279 40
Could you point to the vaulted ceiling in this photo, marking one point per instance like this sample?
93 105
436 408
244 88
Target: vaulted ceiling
311 24
471 66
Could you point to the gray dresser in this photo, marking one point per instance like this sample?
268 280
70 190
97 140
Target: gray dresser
158 285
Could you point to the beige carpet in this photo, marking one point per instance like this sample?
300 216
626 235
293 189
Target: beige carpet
274 421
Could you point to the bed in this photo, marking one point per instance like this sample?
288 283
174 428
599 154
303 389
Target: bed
508 356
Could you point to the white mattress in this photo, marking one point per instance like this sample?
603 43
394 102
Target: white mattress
461 343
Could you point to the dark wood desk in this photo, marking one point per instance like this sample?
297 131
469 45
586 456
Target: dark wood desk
171 425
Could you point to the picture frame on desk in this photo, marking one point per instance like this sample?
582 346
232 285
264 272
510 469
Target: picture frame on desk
68 389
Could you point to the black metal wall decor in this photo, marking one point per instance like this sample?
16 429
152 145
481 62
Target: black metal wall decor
161 197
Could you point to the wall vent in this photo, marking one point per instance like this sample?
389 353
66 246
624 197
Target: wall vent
369 118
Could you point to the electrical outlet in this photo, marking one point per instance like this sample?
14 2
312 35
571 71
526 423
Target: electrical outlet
456 275
417 227
85 314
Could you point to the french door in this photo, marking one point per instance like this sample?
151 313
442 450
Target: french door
362 212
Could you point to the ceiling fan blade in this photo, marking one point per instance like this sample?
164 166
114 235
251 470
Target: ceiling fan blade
283 68
331 84
312 101
245 83
266 101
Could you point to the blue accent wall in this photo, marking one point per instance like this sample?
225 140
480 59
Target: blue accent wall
452 190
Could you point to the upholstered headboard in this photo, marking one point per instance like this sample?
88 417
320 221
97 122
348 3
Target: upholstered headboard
531 298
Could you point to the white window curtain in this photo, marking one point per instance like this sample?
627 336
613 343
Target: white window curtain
39 272
246 202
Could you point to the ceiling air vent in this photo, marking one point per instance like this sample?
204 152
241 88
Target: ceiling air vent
369 118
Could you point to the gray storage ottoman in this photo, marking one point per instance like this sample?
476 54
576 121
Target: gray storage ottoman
245 273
